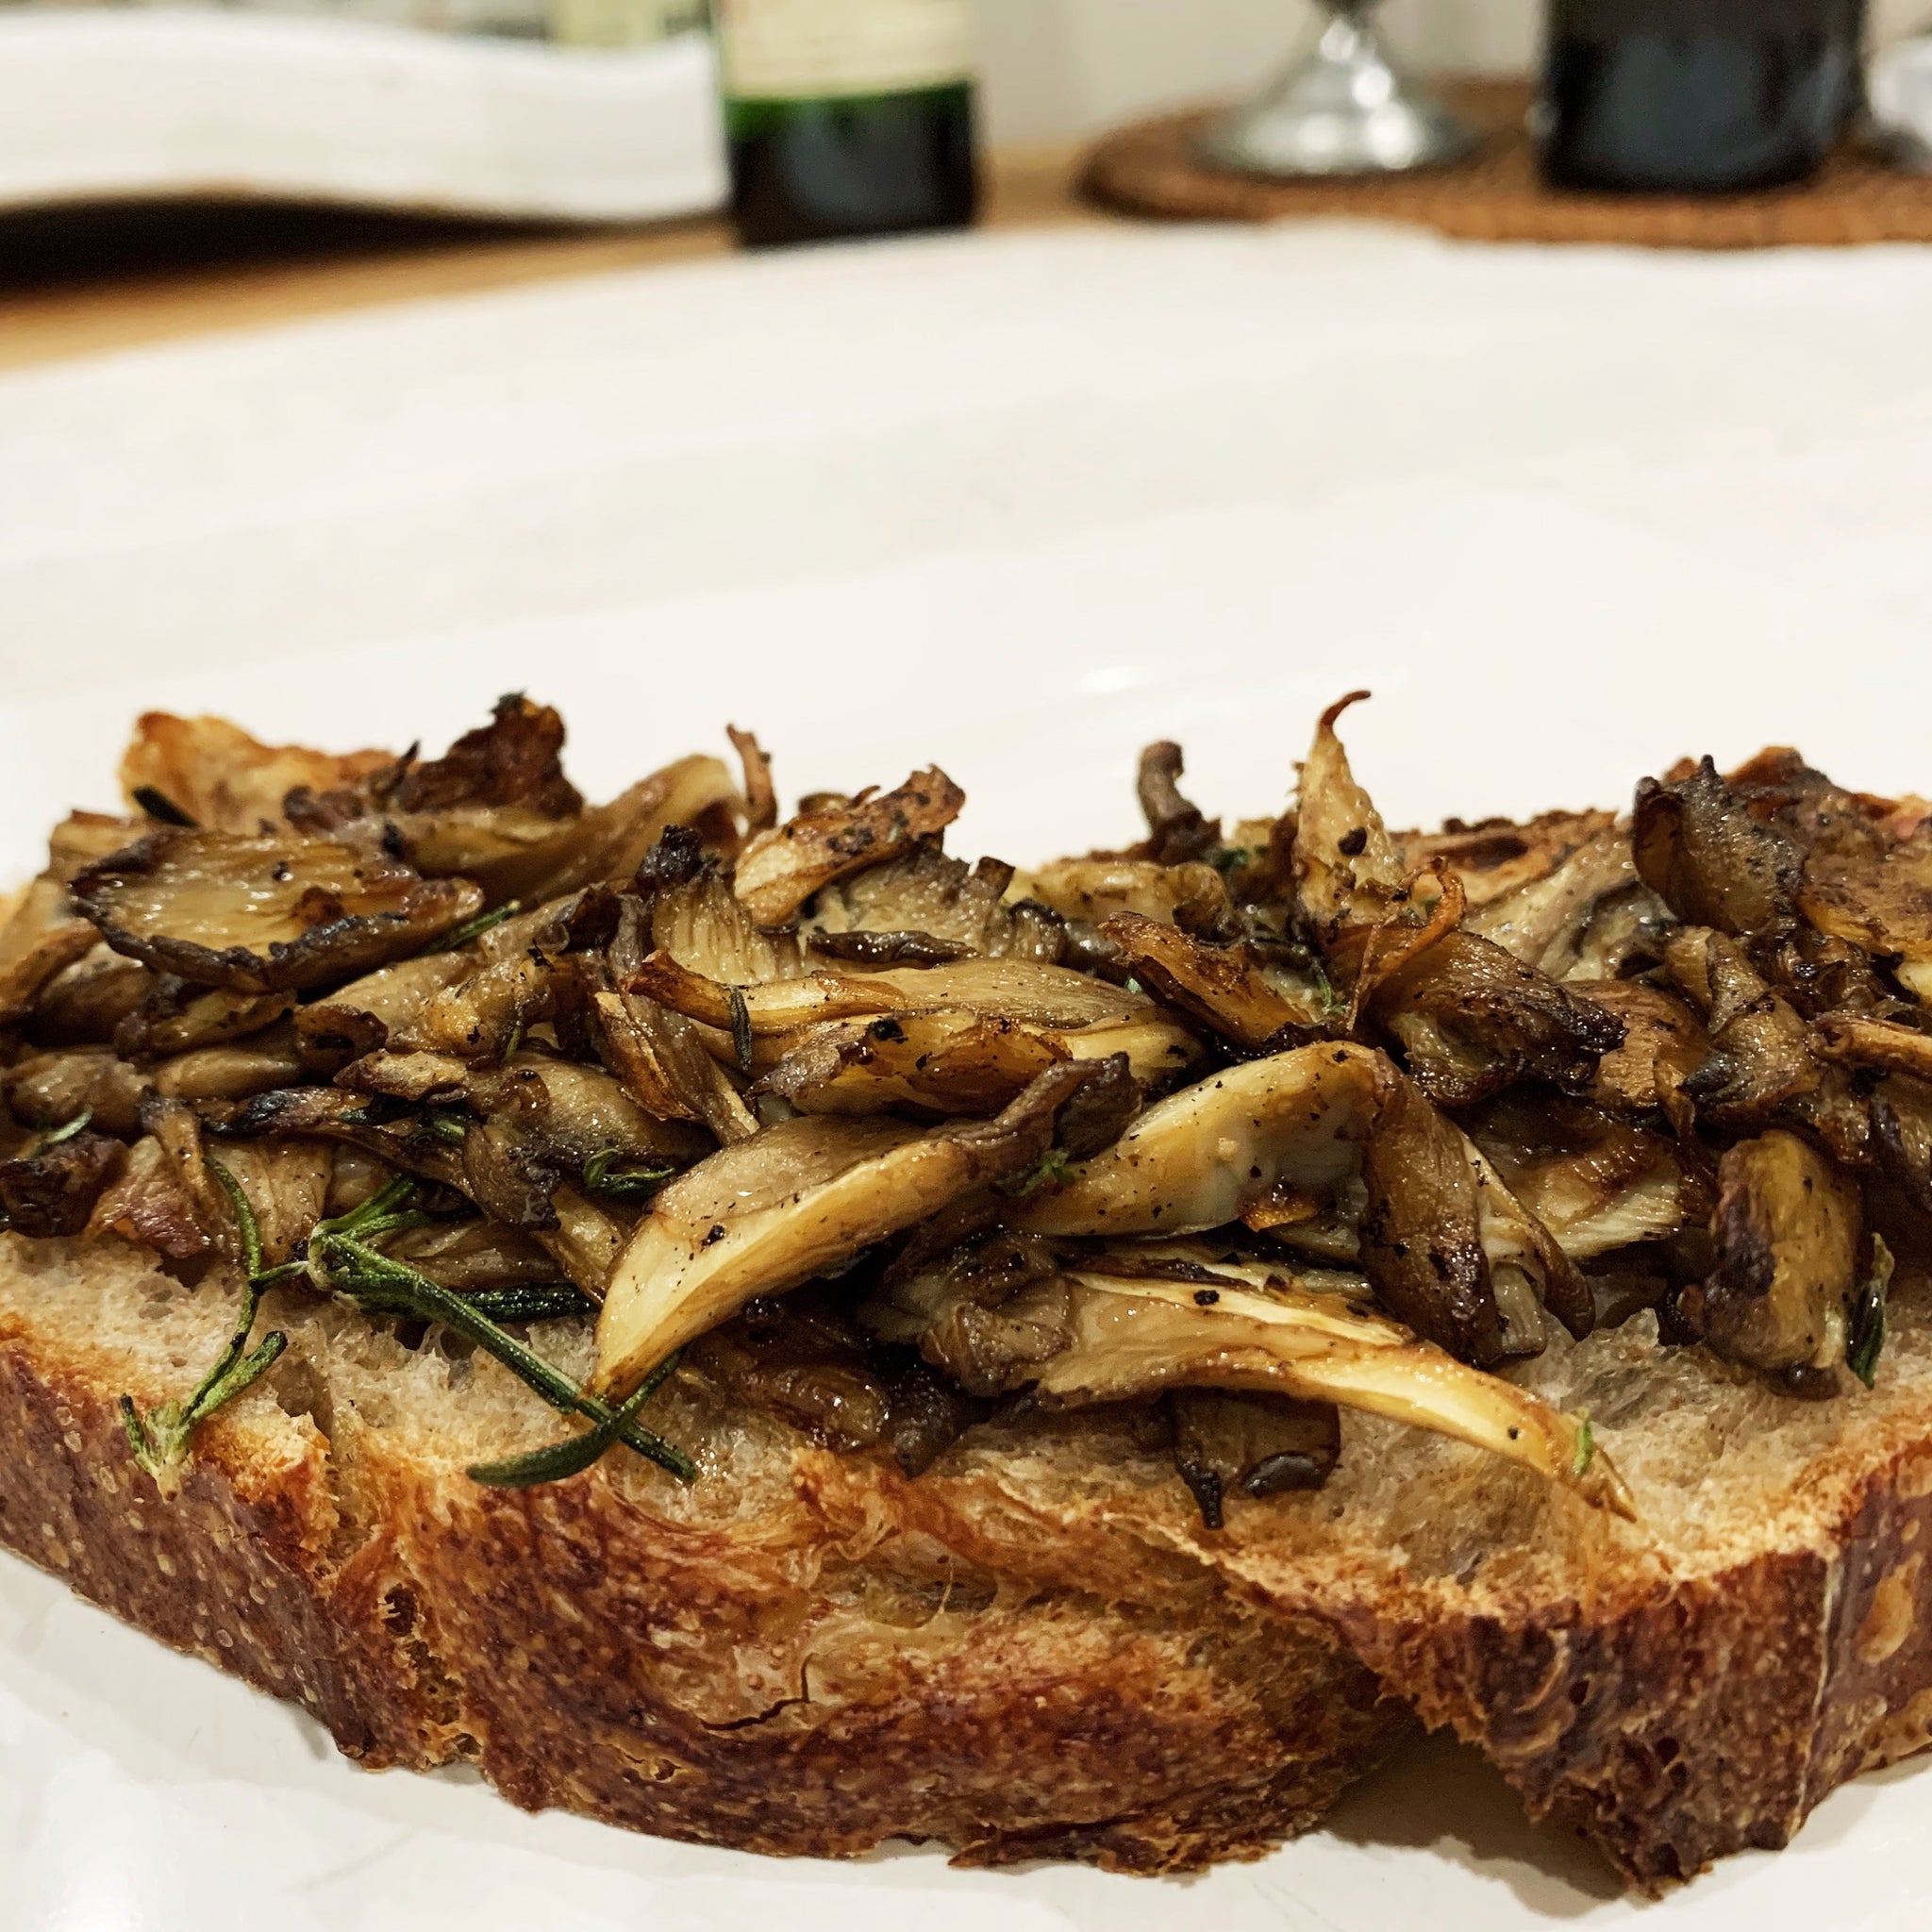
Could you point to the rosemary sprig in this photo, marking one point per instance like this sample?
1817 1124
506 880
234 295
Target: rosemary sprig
605 1175
543 1301
458 937
350 1266
1869 1317
442 1123
556 1461
162 1438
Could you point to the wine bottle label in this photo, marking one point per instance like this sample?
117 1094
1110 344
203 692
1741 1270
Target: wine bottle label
796 50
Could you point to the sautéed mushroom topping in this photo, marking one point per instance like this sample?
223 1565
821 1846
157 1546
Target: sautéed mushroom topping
1246 1129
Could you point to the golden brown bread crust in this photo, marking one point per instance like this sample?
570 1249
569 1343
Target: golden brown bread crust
1712 1716
758 1685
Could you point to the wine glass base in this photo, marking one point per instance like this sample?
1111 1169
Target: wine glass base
1344 109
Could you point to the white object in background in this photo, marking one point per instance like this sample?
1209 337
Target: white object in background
106 105
1900 92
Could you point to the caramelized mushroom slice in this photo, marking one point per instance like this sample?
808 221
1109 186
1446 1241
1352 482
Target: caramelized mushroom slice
405 1142
497 794
358 1019
779 870
1445 1243
1596 1183
1261 1444
166 1199
286 1184
665 1067
259 1065
1698 846
1473 1020
1177 829
51 1189
1192 896
261 915
698 922
45 934
609 843
215 775
470 1257
50 1089
924 896
1226 987
1789 1230
1347 869
1544 920
939 1062
1199 1158
1499 864
1108 1339
176 1017
82 1004
800 1200
1663 1044
1761 1061
1017 989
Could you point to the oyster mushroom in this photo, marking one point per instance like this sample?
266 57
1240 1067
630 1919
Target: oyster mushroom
45 933
1176 830
1788 1232
213 775
1226 987
266 914
1018 990
779 870
801 1200
1347 869
1083 1337
1448 1248
1193 896
1699 847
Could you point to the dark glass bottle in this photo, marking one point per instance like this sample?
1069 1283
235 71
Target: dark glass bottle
848 117
1696 96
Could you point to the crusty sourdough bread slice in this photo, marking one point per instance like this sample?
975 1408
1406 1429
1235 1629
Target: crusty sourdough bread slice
1681 1688
726 1664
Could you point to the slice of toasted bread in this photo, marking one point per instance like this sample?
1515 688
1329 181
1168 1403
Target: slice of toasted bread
787 1657
1683 1687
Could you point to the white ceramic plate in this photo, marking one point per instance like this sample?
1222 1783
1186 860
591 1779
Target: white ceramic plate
1020 508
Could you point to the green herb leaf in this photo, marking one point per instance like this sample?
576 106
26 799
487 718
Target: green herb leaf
1868 1327
1586 1448
558 1461
53 1135
1332 1002
458 937
1228 859
451 1129
162 1438
158 805
606 1173
548 1301
372 1278
1050 1170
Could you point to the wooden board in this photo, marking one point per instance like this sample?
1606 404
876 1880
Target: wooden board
1152 169
79 281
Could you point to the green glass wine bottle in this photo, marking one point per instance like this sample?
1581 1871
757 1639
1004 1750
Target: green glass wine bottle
848 117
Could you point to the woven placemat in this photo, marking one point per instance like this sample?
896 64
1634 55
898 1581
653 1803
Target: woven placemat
1152 169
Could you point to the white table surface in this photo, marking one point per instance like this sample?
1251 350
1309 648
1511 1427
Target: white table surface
1019 506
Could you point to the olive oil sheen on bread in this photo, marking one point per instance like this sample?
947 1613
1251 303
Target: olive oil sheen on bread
848 117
